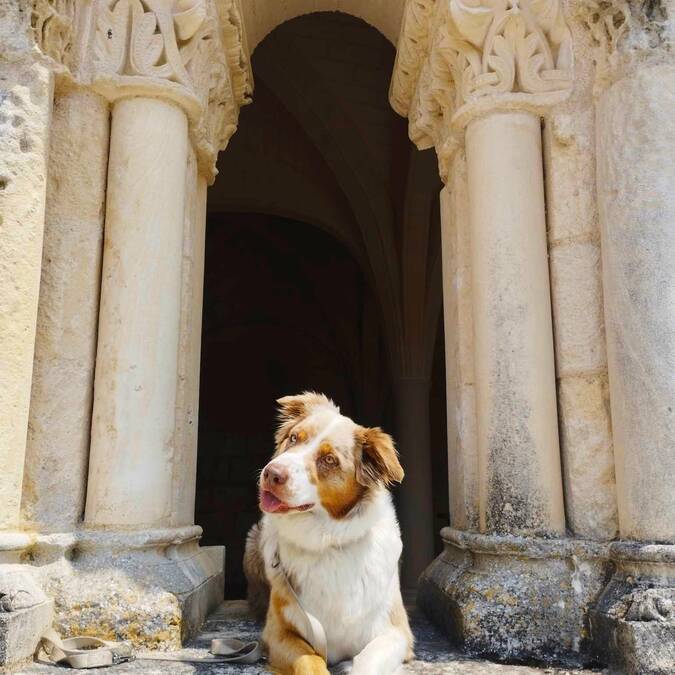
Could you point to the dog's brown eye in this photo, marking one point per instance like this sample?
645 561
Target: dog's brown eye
293 438
330 460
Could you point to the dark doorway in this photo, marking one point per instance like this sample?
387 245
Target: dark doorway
286 308
337 288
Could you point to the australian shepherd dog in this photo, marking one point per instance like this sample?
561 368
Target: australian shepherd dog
328 545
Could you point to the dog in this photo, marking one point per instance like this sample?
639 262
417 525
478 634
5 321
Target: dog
328 544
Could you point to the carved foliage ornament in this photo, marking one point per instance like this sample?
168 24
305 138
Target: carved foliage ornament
607 21
151 38
481 52
508 46
52 25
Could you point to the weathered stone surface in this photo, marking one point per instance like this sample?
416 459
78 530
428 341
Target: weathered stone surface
25 613
57 450
587 457
149 588
637 211
433 653
633 624
569 155
25 108
514 598
576 286
459 361
20 633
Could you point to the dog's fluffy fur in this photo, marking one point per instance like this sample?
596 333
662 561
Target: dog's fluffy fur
330 520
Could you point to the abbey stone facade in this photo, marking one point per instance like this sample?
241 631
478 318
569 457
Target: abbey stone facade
553 123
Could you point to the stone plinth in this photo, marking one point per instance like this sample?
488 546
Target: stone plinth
633 623
25 611
515 598
153 588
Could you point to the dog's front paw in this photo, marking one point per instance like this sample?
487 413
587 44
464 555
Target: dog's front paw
310 665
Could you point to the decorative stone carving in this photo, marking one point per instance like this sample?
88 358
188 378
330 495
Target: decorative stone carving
52 25
463 57
150 38
626 34
192 52
510 46
413 46
652 604
607 21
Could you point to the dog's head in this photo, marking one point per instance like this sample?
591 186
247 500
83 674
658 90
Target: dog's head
323 460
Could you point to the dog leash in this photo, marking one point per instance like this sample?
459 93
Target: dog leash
311 627
90 652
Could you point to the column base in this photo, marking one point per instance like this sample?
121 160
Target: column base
25 611
152 587
515 599
633 623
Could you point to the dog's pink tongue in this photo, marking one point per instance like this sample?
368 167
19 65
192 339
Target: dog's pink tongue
270 503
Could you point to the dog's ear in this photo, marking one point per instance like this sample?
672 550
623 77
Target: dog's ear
378 460
298 406
293 408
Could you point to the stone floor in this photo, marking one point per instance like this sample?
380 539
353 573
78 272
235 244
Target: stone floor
434 654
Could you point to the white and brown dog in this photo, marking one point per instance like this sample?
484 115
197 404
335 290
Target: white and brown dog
329 526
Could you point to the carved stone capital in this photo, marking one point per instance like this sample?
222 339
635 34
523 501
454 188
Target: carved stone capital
53 27
627 34
192 52
461 58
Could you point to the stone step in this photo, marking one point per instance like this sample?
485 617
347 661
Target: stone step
434 655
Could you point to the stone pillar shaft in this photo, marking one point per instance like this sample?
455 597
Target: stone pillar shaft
57 452
636 175
520 489
25 111
132 447
459 360
189 357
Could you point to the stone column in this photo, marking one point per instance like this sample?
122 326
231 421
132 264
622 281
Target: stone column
520 489
504 66
634 623
415 496
57 453
636 196
132 438
459 365
189 357
25 113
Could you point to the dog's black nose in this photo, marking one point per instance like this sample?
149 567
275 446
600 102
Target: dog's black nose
274 475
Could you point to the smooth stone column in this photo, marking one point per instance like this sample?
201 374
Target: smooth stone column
25 112
520 485
189 357
636 195
459 359
415 498
132 444
59 427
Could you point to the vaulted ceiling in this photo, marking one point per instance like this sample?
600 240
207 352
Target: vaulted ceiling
320 143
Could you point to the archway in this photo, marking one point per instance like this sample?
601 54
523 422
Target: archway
321 164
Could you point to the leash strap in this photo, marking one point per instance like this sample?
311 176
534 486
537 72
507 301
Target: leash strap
85 652
225 650
90 652
311 627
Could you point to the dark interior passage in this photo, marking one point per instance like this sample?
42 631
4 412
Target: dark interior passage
337 288
286 308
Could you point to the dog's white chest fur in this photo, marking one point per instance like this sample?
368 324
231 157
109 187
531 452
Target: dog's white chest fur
348 582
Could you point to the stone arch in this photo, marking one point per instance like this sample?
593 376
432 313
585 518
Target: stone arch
261 17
